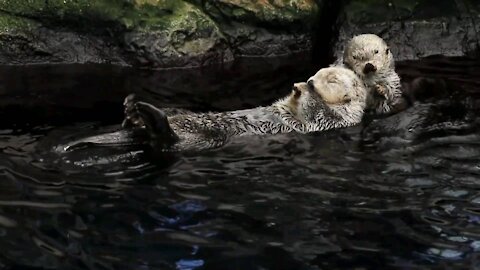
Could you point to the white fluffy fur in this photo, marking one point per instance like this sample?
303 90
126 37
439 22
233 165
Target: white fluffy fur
384 83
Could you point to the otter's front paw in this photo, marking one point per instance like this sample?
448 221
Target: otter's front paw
132 117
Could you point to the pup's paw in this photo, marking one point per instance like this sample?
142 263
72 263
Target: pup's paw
381 90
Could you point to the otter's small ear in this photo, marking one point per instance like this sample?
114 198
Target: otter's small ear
387 51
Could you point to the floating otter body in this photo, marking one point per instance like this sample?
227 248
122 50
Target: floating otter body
334 98
370 58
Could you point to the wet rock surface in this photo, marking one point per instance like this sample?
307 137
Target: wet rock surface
265 28
414 29
194 33
152 33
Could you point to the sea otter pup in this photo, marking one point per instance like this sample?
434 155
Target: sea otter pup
334 98
370 58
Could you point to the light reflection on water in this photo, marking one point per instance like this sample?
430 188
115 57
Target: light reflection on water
372 196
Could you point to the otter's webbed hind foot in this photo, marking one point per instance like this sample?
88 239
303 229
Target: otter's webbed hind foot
155 122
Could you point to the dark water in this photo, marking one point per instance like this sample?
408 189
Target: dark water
396 193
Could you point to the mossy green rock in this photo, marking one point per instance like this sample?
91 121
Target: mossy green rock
167 33
110 10
276 12
265 27
175 33
152 33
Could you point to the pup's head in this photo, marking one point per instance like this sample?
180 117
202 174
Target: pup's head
367 55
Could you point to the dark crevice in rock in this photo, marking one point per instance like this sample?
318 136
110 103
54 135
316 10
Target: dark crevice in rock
467 8
326 32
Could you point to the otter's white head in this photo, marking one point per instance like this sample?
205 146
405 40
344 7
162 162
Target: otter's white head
336 87
367 55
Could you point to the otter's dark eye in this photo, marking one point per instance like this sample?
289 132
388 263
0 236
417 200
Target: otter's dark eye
310 84
388 51
376 51
354 57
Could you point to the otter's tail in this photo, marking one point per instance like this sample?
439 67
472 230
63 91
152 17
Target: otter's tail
105 139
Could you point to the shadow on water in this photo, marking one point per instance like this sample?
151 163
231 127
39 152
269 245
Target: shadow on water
401 191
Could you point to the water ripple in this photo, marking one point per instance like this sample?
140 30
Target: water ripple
386 194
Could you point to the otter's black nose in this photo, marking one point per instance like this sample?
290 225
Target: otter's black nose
297 91
369 68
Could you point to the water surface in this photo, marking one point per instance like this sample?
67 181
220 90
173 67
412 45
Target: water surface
401 193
